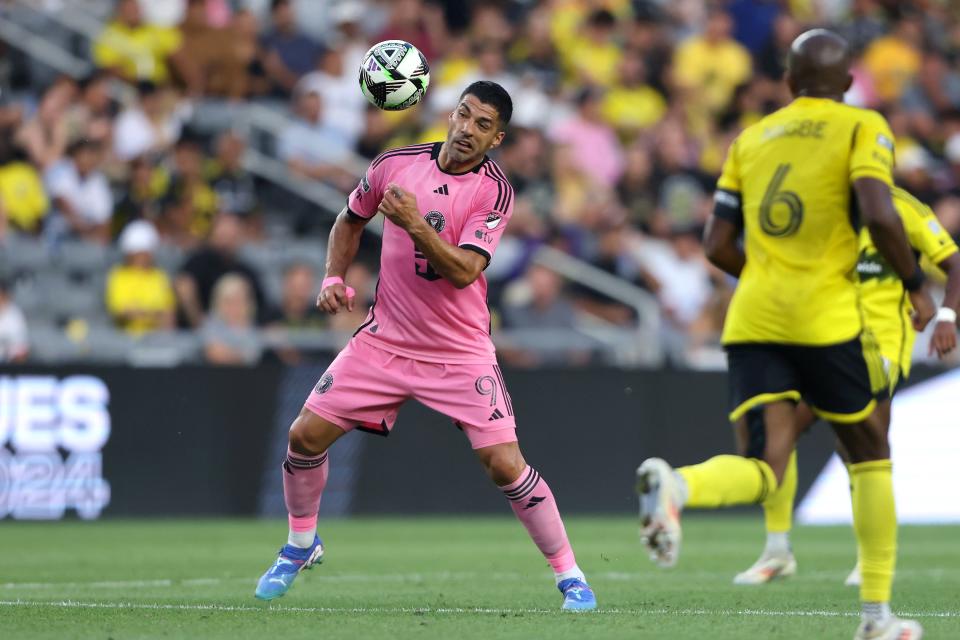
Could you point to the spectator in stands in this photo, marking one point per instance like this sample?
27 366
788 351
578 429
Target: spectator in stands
631 105
313 146
217 67
593 144
23 199
14 343
288 54
187 182
594 56
134 50
230 336
537 303
421 24
205 266
298 300
894 59
234 186
81 194
151 126
709 67
45 136
91 116
139 295
336 84
140 197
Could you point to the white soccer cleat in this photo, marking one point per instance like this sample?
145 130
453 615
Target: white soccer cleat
853 580
767 569
893 629
659 511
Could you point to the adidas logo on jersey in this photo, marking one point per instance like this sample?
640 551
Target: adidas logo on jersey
442 190
496 415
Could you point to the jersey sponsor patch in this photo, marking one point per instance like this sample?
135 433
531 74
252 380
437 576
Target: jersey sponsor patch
493 220
935 227
884 142
365 184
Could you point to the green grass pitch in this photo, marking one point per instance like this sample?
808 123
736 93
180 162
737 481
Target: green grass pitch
445 578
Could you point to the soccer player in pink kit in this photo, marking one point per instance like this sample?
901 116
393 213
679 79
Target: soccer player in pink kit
427 335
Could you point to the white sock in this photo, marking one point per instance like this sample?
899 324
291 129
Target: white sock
573 572
778 543
302 539
878 612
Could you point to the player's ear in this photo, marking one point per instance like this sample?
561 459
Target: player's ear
497 139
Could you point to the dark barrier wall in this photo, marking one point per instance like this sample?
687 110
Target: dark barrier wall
132 442
197 440
586 431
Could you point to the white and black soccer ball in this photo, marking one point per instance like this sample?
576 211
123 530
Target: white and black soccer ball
394 75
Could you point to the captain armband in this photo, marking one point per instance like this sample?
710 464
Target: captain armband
727 206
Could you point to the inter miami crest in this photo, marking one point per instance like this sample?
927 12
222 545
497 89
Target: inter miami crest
436 220
326 381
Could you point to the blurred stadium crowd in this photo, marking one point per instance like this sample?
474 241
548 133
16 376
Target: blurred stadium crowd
122 219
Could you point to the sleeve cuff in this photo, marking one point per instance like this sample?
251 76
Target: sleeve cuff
871 172
472 247
353 214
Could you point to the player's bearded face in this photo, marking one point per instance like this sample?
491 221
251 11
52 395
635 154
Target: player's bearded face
474 130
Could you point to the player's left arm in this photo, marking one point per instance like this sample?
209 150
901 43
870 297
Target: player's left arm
928 236
460 267
722 233
945 333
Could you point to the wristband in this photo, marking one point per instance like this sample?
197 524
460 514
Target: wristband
914 282
946 314
332 280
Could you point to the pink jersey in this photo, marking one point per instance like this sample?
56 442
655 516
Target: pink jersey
416 313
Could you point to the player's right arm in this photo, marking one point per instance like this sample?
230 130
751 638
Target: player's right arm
871 172
720 237
344 239
341 250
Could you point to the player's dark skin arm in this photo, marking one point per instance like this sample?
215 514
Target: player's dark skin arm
886 229
721 246
944 338
341 250
459 267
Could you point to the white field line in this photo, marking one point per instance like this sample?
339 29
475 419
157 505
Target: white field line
72 604
437 576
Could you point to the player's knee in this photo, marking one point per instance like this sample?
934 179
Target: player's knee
304 440
503 465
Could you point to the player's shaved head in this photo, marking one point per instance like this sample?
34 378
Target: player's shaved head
818 65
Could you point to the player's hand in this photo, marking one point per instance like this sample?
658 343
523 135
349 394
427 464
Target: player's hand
335 297
400 207
944 339
923 308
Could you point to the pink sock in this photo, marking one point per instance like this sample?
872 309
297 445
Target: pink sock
533 502
304 478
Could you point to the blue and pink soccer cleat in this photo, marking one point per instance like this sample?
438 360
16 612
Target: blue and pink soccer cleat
577 595
292 560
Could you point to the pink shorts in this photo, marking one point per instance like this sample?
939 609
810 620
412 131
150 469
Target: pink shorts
364 387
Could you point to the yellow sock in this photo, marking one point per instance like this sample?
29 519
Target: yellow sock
728 480
778 507
875 523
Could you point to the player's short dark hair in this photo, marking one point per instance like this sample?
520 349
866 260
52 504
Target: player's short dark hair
494 95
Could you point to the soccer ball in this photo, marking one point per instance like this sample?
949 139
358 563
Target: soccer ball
394 75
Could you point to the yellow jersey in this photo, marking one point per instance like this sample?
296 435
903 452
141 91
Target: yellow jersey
131 289
791 176
885 303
